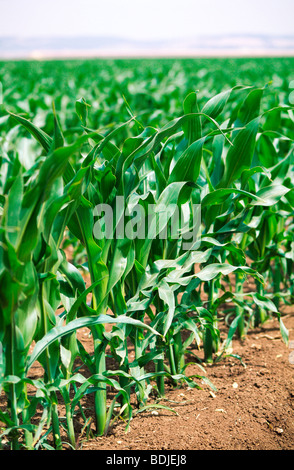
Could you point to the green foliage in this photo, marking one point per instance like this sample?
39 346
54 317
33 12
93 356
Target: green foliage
77 134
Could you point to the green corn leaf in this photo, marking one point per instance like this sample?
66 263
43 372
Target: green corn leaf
59 331
192 129
82 110
239 156
215 106
187 167
44 139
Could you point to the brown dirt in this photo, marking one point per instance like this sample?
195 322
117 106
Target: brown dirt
253 407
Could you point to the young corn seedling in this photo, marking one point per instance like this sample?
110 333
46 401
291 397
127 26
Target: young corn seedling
25 301
146 291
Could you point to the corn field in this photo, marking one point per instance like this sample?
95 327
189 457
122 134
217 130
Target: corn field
207 144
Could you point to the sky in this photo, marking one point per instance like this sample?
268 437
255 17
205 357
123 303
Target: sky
145 19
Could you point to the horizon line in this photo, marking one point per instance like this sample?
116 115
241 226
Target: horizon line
168 54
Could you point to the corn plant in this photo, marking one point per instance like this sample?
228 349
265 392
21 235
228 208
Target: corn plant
116 192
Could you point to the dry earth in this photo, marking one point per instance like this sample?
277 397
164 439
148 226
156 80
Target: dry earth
253 407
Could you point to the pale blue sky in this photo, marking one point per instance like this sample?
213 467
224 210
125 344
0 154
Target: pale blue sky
150 19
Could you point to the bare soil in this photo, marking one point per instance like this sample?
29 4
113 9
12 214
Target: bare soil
252 409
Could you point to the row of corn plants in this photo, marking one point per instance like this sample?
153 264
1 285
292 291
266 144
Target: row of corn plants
114 194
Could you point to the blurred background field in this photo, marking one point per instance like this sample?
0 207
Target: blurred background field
153 88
